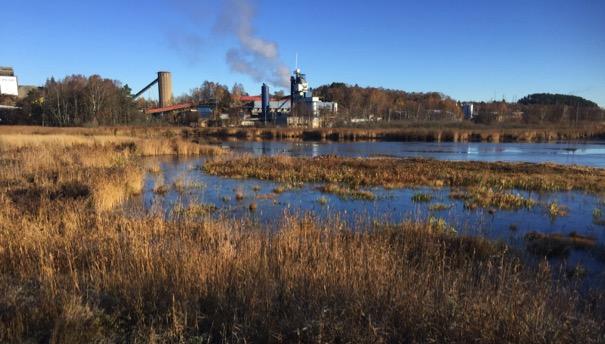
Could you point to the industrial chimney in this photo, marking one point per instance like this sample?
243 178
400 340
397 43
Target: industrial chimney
165 88
265 101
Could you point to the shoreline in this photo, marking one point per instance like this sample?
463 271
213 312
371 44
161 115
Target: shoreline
406 135
411 134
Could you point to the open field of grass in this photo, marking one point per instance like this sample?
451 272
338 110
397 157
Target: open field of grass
75 268
397 173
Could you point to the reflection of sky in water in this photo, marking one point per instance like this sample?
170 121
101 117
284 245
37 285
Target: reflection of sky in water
391 205
589 154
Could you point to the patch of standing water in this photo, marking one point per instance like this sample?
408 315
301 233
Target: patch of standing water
186 183
586 154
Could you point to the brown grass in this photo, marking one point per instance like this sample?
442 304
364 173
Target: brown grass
139 146
438 134
389 172
424 132
71 271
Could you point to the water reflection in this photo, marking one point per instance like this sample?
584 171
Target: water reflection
588 154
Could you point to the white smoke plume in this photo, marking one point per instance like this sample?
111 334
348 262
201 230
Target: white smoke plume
255 56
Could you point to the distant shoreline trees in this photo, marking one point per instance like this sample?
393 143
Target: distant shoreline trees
78 100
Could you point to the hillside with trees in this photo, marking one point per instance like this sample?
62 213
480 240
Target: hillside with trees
556 99
540 109
390 105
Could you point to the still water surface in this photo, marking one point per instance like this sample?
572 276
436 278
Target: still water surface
587 154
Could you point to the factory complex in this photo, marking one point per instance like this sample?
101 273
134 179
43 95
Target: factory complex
300 108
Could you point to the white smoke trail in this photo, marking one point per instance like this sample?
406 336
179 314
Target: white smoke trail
255 56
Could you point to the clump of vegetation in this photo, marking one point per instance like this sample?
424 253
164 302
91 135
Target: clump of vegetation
556 210
323 200
482 197
422 197
266 196
279 189
440 225
239 195
154 167
183 183
597 217
160 189
488 197
440 207
196 210
348 193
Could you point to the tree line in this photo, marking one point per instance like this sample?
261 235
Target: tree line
94 100
388 104
542 108
77 100
396 105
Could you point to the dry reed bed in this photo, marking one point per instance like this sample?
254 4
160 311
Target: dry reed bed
76 276
391 173
140 146
101 177
102 170
412 134
71 272
132 131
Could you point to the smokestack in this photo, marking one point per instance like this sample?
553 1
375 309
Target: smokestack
165 88
292 90
265 101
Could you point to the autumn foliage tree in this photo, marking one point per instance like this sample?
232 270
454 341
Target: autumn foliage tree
79 100
365 102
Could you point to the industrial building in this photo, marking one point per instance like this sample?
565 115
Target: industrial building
469 111
301 108
9 85
8 82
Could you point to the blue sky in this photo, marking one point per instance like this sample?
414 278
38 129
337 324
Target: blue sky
470 50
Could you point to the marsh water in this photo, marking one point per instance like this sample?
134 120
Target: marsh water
580 153
236 197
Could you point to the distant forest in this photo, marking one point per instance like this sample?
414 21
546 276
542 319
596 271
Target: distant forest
393 105
94 100
556 99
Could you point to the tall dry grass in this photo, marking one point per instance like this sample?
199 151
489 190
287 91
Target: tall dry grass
424 132
79 277
138 145
73 272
